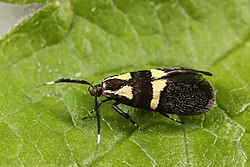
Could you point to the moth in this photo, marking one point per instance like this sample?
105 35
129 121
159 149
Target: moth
176 90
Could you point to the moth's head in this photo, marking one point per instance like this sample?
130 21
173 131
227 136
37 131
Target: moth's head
95 90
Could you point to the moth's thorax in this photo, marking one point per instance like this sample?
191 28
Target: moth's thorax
133 89
116 87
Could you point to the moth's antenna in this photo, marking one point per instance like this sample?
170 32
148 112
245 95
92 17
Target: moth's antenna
67 80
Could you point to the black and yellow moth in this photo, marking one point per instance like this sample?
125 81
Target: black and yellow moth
177 90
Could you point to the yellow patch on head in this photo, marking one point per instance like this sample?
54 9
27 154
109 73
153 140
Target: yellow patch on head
158 86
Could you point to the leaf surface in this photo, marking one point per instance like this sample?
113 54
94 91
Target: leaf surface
94 39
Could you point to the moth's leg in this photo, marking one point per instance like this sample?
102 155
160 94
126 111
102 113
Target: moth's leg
88 115
124 114
98 122
166 115
99 105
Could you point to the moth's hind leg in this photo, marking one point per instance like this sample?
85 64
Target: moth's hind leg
166 115
124 114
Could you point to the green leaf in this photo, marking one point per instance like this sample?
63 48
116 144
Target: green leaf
94 39
27 1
